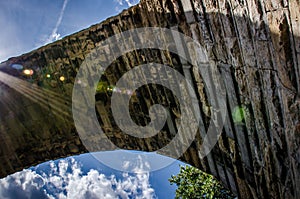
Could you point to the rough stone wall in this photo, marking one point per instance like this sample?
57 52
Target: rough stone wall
255 44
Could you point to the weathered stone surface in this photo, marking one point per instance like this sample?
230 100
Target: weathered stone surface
253 43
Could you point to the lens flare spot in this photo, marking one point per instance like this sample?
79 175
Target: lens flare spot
110 88
239 114
28 72
62 78
17 66
129 92
48 75
116 90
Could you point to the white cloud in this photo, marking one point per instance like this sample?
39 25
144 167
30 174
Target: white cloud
54 35
129 3
66 180
126 165
120 2
125 4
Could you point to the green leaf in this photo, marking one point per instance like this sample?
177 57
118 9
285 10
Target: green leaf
192 183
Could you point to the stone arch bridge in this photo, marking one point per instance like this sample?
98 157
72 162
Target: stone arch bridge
255 46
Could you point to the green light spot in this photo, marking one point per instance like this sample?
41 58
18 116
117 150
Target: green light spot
48 75
238 114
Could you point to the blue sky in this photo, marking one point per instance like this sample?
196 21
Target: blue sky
85 177
27 25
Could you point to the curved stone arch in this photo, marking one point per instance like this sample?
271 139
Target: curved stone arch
255 46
